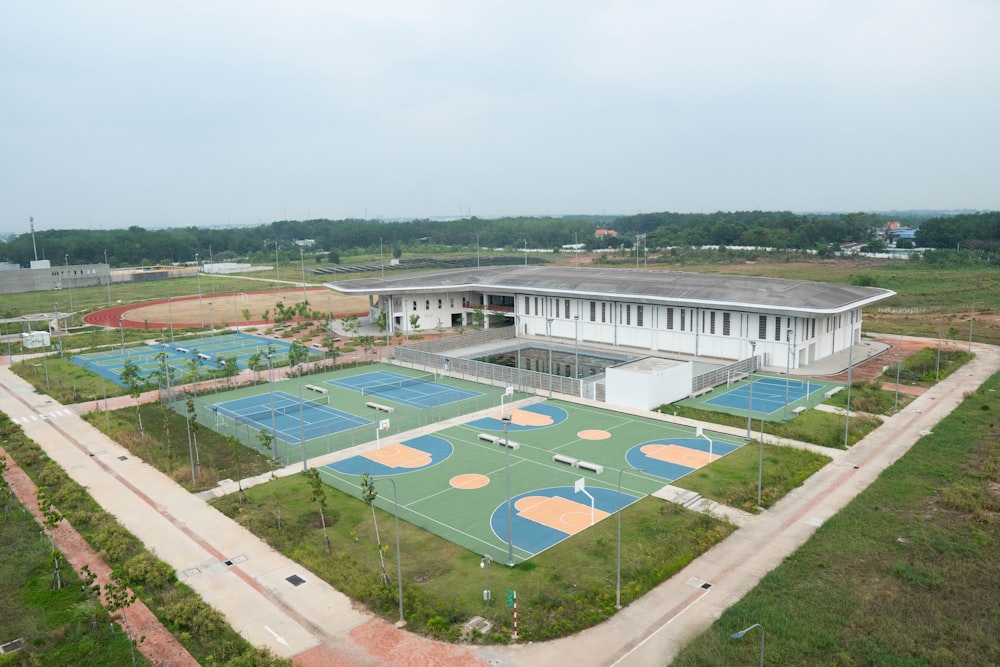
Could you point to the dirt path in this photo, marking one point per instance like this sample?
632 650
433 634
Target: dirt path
159 645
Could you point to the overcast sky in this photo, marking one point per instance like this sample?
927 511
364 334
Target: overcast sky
223 111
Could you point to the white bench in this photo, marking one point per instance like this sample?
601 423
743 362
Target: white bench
183 350
508 443
206 357
799 410
833 391
488 438
378 406
587 465
568 460
317 389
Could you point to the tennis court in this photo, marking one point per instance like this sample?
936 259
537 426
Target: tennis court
454 482
292 420
769 394
422 391
187 359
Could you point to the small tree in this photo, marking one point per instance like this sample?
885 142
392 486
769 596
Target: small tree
255 362
319 495
351 324
5 493
229 368
50 519
130 376
330 345
478 317
297 353
118 597
369 494
193 426
93 592
415 323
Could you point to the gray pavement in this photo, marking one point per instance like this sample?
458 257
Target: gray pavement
256 598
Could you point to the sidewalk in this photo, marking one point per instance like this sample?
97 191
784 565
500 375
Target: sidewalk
248 582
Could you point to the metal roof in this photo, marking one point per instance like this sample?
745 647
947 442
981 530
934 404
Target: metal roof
678 288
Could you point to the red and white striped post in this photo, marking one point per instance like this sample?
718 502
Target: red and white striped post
514 636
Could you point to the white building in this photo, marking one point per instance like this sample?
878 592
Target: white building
718 316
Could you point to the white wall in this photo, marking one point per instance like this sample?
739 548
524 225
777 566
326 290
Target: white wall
639 386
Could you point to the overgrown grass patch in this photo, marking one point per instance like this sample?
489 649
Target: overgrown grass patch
905 574
732 480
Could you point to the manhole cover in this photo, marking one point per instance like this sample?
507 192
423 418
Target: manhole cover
295 580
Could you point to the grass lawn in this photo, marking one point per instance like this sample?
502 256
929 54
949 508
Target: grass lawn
904 575
55 623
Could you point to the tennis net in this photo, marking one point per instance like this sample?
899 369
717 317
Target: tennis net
389 387
261 414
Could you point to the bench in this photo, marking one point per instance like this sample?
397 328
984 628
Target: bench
317 389
488 438
378 406
833 391
183 350
206 357
508 443
587 465
799 410
701 393
568 460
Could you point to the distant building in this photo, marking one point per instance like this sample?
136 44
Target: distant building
603 233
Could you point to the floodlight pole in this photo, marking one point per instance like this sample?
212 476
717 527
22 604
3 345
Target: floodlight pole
302 425
211 320
738 635
788 367
618 563
121 328
576 368
170 320
484 563
109 277
895 401
201 310
548 328
850 367
302 262
70 290
753 363
236 314
510 519
399 563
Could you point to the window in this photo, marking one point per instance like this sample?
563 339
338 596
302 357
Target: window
604 312
777 328
566 308
593 311
762 327
452 302
427 304
638 316
527 306
711 322
537 312
628 315
670 318
813 332
440 302
725 324
683 313
414 305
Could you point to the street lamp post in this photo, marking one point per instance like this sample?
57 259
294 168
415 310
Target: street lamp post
170 320
576 365
788 367
618 562
70 283
211 320
739 635
525 252
548 329
302 262
510 518
399 563
201 310
121 328
753 364
236 314
302 425
895 401
485 565
109 277
850 368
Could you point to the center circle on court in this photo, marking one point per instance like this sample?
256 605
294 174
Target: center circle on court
593 434
469 481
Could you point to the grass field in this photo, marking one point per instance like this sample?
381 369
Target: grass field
904 575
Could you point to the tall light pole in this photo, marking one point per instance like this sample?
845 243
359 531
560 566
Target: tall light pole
121 328
381 261
70 291
302 261
618 566
109 277
576 366
972 318
899 362
739 635
201 309
510 517
302 424
850 367
236 314
277 267
525 252
170 320
788 367
477 251
399 563
548 328
753 364
211 320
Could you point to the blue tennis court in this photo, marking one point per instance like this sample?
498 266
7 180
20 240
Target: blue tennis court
417 391
769 394
280 413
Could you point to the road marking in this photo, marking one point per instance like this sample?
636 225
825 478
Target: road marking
276 636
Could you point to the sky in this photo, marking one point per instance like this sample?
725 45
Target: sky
226 112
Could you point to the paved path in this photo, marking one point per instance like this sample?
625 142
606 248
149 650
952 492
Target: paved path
318 625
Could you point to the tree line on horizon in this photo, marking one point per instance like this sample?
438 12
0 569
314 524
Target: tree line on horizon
333 239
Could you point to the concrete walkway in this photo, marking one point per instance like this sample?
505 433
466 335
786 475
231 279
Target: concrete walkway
247 581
